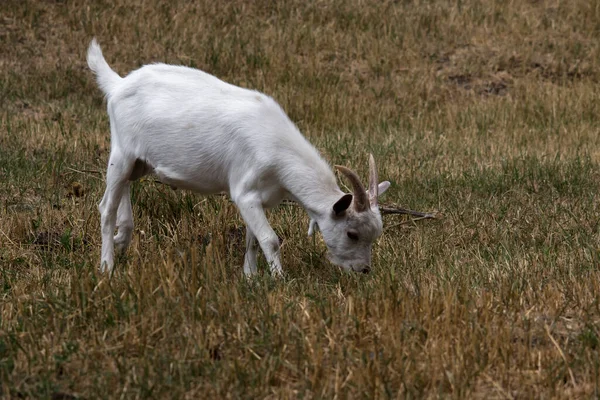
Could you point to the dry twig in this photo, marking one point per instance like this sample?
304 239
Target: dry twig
400 210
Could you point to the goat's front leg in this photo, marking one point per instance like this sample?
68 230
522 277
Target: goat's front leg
251 253
256 222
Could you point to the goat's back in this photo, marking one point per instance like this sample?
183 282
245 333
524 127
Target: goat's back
184 121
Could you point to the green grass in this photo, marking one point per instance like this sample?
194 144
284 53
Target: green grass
485 112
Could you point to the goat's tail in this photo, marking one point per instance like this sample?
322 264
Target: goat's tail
106 77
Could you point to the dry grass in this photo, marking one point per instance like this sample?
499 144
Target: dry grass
486 111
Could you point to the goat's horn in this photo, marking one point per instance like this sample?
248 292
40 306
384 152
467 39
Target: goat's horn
361 202
373 182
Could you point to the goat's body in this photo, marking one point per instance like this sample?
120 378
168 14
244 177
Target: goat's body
197 132
232 139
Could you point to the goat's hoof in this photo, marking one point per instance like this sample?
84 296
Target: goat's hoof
106 267
277 274
249 273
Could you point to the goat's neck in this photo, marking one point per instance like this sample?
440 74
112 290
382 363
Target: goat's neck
313 185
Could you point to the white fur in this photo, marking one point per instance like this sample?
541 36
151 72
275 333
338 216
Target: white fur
197 132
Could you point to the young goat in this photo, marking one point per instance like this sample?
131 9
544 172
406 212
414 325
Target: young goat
197 132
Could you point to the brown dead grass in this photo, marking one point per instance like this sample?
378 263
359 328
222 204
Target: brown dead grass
484 111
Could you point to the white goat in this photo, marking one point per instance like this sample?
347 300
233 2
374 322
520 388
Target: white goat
197 132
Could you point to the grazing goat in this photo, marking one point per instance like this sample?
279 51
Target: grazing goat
197 132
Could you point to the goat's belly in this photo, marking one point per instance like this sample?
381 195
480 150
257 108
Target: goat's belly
200 183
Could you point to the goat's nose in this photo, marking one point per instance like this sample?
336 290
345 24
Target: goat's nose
366 270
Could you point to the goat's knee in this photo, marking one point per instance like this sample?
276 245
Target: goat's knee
108 222
271 244
123 238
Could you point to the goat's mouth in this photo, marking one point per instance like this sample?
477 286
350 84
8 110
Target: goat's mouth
348 267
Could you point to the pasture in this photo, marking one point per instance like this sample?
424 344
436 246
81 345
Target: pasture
485 112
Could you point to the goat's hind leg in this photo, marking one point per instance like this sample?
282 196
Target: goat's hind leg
117 174
124 221
125 213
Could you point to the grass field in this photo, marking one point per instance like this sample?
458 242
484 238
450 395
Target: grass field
486 112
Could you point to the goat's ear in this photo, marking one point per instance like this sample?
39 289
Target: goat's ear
342 204
383 186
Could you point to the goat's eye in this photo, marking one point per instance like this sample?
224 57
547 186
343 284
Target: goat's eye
353 235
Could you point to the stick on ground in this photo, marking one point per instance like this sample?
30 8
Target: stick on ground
400 210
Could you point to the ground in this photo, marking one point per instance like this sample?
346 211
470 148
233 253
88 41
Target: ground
485 112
